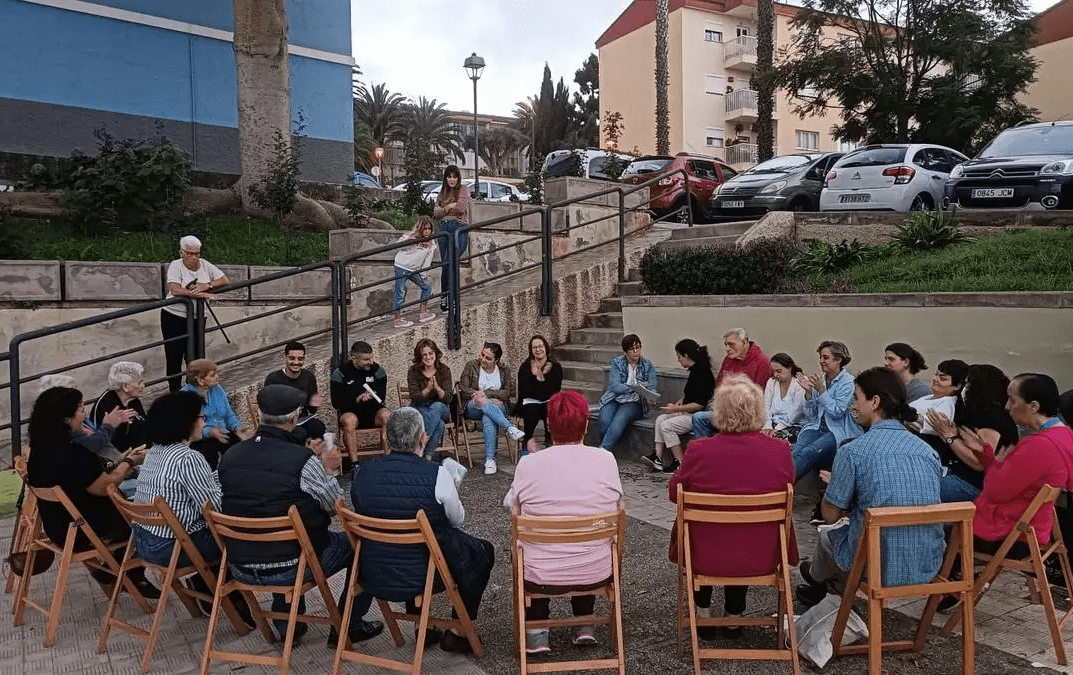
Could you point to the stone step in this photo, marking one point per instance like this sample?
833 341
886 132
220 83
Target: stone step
605 320
586 353
713 230
597 336
636 442
589 390
630 287
671 383
611 305
700 242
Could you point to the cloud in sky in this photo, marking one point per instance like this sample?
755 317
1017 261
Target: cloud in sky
417 46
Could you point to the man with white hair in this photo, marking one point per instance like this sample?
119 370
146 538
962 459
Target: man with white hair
742 356
188 277
397 486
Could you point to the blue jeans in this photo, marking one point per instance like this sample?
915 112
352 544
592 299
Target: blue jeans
401 277
449 226
493 417
436 416
956 489
614 418
702 424
336 556
157 550
814 449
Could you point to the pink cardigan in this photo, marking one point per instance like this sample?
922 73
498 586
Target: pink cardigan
567 480
1010 484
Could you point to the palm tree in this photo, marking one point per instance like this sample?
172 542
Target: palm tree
364 145
663 128
380 110
765 87
426 121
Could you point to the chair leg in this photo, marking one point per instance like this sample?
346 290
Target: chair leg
788 609
348 610
214 617
422 628
1048 600
391 622
113 602
693 624
875 636
158 617
61 588
19 609
616 626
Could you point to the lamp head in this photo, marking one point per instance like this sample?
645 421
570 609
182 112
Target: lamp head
378 153
474 65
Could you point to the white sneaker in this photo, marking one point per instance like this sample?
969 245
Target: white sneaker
515 433
403 323
489 467
427 316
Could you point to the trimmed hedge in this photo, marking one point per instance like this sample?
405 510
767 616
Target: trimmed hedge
756 268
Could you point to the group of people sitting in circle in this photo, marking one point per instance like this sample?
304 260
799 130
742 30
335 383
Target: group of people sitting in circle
880 438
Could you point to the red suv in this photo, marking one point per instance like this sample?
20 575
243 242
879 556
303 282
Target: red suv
705 175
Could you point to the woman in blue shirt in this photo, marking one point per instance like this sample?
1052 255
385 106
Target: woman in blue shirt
222 426
622 404
827 404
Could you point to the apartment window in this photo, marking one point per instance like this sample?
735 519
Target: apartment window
714 84
847 146
970 83
713 35
807 93
742 31
808 140
713 138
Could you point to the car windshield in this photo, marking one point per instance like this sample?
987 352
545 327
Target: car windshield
873 157
567 165
781 164
647 165
1051 140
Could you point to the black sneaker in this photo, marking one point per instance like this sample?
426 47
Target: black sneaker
817 515
805 568
455 643
810 595
443 304
365 630
653 461
433 635
949 603
671 466
279 628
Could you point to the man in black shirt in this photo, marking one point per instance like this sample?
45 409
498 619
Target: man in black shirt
295 375
359 389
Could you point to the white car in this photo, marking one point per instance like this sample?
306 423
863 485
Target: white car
490 191
889 178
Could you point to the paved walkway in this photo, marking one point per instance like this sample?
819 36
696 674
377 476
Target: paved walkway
1007 621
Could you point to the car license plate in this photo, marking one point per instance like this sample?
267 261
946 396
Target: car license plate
854 199
733 205
988 193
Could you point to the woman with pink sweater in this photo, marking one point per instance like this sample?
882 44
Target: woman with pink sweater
567 479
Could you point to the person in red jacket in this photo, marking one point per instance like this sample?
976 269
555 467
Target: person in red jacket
742 356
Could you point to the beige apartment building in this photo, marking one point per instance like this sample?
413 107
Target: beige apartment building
712 56
1052 92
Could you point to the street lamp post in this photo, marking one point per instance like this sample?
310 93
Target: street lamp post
474 65
378 153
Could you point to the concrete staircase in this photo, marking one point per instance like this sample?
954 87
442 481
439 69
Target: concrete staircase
718 234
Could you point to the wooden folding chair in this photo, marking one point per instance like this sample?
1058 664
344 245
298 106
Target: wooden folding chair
468 426
1033 567
415 532
450 442
869 559
254 408
604 528
225 529
99 555
729 510
160 514
24 523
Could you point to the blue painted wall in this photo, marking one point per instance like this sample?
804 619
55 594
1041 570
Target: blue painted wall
67 58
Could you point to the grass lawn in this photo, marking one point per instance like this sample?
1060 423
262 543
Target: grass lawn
225 241
1018 260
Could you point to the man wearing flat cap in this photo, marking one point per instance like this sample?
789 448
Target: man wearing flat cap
261 478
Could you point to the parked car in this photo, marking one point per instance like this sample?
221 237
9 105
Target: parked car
785 183
893 177
490 191
426 186
365 180
1029 167
705 175
585 163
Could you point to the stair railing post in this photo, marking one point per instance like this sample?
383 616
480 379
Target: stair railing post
689 197
454 311
621 235
195 331
545 259
339 297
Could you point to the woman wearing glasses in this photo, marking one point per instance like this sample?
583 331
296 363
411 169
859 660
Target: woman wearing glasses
631 379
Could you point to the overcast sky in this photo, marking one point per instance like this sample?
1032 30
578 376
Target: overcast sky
417 47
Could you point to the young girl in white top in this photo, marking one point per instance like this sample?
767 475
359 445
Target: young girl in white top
410 264
784 399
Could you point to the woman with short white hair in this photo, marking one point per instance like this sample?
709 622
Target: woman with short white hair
125 384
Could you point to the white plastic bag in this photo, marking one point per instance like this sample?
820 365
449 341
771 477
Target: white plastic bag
815 626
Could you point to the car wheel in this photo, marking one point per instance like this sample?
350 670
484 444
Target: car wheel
921 202
680 215
799 204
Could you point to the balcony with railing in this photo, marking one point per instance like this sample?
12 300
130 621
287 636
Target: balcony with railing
740 53
741 106
740 155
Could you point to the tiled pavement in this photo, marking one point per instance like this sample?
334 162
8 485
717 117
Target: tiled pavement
1006 620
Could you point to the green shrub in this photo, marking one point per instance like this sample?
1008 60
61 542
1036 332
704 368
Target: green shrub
16 242
821 258
277 189
132 185
397 216
755 268
928 231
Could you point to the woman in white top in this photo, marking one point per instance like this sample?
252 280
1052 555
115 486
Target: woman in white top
411 263
784 399
946 386
486 387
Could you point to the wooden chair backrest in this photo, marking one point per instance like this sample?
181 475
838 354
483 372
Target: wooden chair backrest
254 408
57 495
140 514
600 527
20 467
770 507
404 394
263 530
387 531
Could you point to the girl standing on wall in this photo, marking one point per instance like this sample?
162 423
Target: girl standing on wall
451 207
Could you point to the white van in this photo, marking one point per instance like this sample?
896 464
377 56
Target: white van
584 163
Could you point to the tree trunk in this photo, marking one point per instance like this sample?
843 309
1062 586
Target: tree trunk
663 113
765 90
264 90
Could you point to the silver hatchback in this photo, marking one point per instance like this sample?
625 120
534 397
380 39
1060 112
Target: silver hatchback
908 177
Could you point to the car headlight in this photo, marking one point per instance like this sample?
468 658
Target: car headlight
957 172
1063 167
773 187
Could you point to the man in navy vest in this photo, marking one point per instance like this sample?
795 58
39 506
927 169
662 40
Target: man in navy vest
261 478
399 485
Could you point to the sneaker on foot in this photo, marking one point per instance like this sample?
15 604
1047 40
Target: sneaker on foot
362 631
452 642
671 466
489 467
949 603
810 595
403 323
427 316
536 642
515 434
443 304
653 461
817 515
584 636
